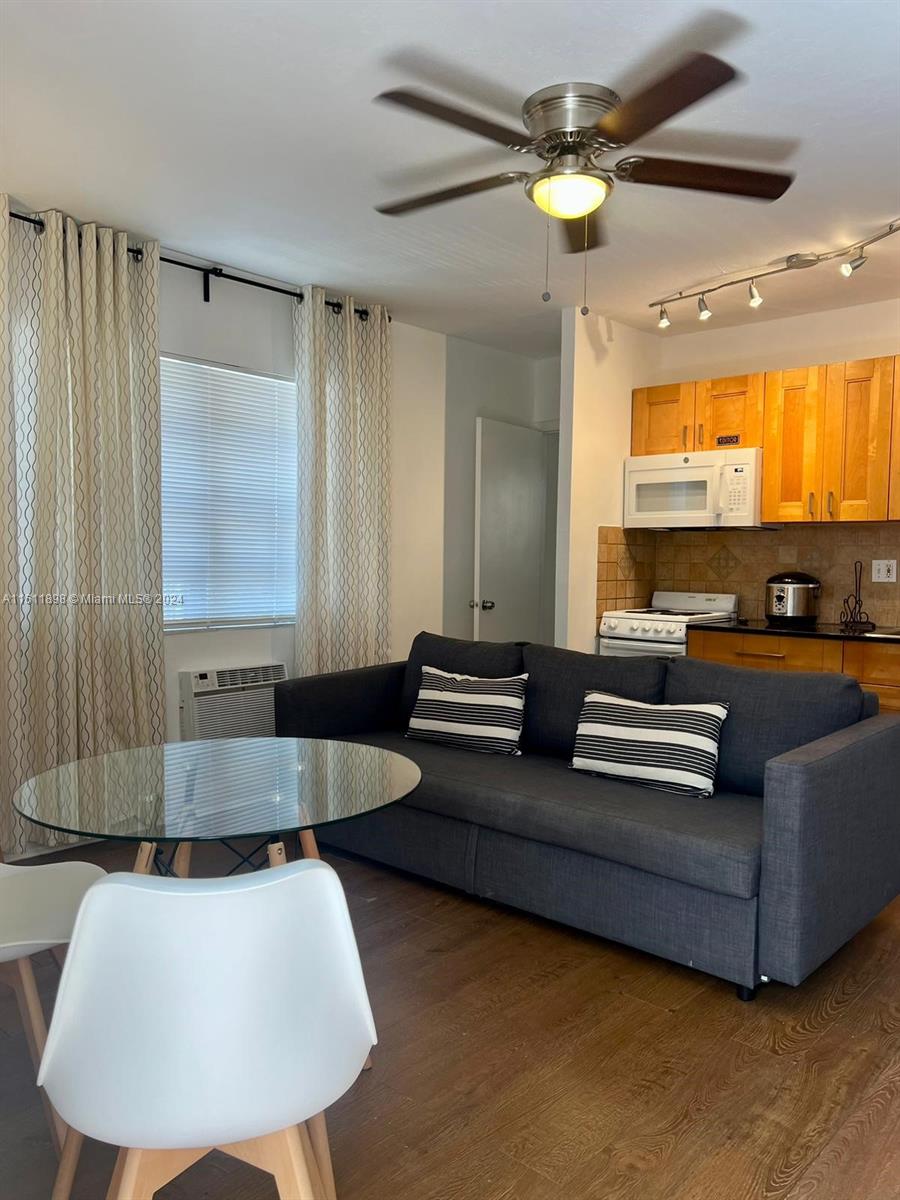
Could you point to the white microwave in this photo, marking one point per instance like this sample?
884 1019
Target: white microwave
710 489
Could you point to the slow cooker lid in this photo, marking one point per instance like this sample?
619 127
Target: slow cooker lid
797 577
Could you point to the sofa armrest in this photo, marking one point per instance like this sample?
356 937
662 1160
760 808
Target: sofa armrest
363 700
831 845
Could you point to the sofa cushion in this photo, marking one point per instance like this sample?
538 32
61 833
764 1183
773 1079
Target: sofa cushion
710 843
488 660
769 713
558 680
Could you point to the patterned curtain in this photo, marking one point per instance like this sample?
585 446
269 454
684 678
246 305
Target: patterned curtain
343 495
81 659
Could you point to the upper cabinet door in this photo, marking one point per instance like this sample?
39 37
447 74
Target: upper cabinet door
662 419
858 440
729 412
894 505
793 444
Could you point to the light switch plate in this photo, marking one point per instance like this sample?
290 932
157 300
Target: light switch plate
884 570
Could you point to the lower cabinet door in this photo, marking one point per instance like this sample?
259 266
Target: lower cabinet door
877 667
767 651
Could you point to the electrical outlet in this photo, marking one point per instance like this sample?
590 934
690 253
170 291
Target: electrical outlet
884 570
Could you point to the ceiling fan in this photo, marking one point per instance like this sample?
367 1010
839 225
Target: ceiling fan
572 126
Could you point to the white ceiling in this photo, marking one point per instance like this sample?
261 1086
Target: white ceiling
243 131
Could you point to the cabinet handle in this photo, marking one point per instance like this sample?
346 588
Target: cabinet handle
684 438
701 433
758 654
831 504
812 504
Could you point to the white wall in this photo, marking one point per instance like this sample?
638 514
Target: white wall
249 328
545 382
861 331
601 362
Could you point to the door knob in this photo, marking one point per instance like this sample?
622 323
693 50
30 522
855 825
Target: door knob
487 605
473 604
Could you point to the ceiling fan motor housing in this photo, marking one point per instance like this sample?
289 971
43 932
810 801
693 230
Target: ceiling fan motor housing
568 113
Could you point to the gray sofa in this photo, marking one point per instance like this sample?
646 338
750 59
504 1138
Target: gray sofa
798 849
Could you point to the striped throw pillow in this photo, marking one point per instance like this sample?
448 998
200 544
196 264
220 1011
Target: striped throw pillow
474 714
674 747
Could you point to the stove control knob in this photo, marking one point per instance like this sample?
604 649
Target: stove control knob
612 624
634 626
672 629
657 628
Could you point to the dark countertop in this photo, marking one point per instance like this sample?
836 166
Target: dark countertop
884 634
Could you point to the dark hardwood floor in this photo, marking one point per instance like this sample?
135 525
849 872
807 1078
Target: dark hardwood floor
519 1060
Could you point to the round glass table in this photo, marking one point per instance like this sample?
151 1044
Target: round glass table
168 797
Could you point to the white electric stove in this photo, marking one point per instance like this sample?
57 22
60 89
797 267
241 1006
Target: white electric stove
662 628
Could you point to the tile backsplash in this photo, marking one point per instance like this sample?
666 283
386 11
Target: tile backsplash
632 563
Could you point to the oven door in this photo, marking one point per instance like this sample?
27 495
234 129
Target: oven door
626 648
673 491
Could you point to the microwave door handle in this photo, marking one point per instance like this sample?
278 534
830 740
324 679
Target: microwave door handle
722 503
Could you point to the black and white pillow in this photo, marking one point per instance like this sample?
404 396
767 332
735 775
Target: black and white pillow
674 747
474 714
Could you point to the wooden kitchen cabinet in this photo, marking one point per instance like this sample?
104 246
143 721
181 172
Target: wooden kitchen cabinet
857 440
793 444
766 651
662 419
877 667
728 412
894 499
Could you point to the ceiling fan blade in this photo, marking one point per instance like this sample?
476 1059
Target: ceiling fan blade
704 177
696 77
462 189
514 139
573 232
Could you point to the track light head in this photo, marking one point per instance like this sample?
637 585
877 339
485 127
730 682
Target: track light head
703 309
663 321
854 264
755 298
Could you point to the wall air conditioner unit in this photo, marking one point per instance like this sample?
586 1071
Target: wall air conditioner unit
224 702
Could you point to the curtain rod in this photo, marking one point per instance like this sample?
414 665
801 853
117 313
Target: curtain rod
213 272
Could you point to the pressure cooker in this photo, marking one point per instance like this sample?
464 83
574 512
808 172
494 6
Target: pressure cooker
792 600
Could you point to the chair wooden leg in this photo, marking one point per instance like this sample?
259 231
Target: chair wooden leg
282 1155
181 863
139 1174
68 1165
21 979
143 862
308 844
318 1134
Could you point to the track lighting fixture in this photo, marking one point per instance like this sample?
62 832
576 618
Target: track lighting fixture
854 256
854 264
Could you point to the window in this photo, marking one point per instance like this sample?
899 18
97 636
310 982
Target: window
229 496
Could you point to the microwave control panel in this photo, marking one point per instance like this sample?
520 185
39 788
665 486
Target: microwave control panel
737 488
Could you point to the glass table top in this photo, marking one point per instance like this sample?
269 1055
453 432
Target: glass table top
217 789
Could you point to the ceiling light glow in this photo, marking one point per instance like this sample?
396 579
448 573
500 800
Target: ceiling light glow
854 264
755 298
703 308
664 321
568 196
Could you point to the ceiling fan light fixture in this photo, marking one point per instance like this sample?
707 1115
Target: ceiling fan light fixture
854 264
755 298
663 321
568 193
703 309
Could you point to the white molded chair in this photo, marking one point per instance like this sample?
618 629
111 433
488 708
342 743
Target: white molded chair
38 906
196 1014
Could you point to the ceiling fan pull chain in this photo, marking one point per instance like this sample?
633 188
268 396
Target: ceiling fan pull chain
546 293
584 304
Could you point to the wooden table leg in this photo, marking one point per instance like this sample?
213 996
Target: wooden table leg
19 975
143 863
181 863
308 844
277 856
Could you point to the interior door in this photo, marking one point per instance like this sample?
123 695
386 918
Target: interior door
729 412
510 499
793 444
858 440
662 419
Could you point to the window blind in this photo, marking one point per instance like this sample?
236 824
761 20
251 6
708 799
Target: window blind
229 496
